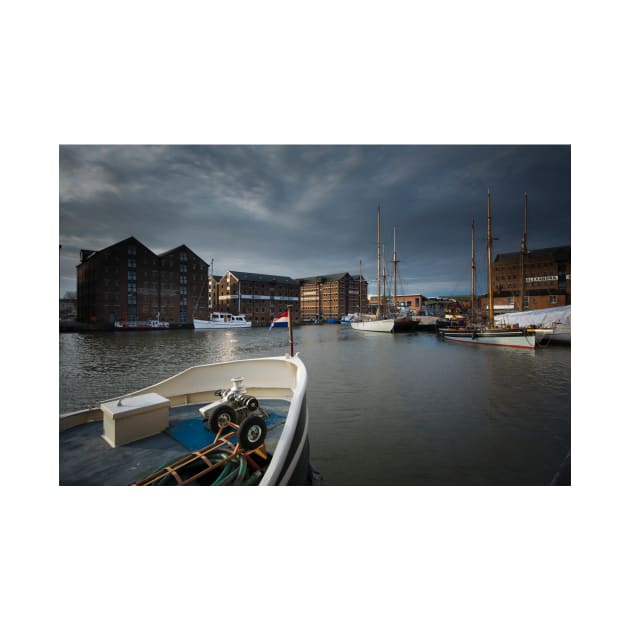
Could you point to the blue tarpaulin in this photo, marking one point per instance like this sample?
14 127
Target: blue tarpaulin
194 435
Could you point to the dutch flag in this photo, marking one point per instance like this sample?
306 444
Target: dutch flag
280 321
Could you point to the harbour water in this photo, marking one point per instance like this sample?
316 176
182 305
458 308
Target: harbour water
404 409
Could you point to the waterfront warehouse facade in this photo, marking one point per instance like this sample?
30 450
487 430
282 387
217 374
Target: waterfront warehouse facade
128 282
331 297
547 280
260 297
183 286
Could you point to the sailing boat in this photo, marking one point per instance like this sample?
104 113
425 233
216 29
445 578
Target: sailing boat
551 325
380 323
489 336
402 323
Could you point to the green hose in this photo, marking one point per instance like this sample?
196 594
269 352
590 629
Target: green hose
227 476
226 471
242 470
231 472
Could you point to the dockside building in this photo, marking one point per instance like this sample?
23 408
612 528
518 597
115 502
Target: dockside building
547 280
332 296
260 297
128 282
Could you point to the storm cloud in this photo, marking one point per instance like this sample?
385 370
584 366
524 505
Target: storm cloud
303 210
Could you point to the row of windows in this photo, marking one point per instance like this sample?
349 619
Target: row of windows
253 307
132 276
256 289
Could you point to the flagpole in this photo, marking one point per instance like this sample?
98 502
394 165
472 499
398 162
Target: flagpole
290 308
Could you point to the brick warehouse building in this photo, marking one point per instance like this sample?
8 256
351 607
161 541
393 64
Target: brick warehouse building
213 293
547 280
332 296
127 281
258 296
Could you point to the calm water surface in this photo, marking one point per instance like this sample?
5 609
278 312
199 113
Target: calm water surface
384 409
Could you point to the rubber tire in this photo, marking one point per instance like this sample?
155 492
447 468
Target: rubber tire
251 404
252 433
215 423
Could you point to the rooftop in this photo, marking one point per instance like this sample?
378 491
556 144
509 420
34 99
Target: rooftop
558 253
261 277
331 277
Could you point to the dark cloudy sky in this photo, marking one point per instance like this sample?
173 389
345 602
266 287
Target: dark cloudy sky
303 210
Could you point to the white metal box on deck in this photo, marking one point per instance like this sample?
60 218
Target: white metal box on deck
133 418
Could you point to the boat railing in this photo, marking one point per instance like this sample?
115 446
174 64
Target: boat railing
274 376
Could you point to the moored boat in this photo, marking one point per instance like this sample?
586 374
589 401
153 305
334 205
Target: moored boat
513 337
550 325
426 323
151 324
556 334
381 322
191 430
505 337
374 325
404 323
222 320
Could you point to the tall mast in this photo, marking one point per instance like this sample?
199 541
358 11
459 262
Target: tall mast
395 263
523 254
360 286
212 284
384 284
473 279
378 264
490 297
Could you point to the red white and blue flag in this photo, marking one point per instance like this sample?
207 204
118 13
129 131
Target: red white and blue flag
282 321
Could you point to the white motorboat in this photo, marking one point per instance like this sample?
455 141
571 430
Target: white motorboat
222 320
194 429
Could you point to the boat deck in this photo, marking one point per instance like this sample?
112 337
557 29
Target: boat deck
86 459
